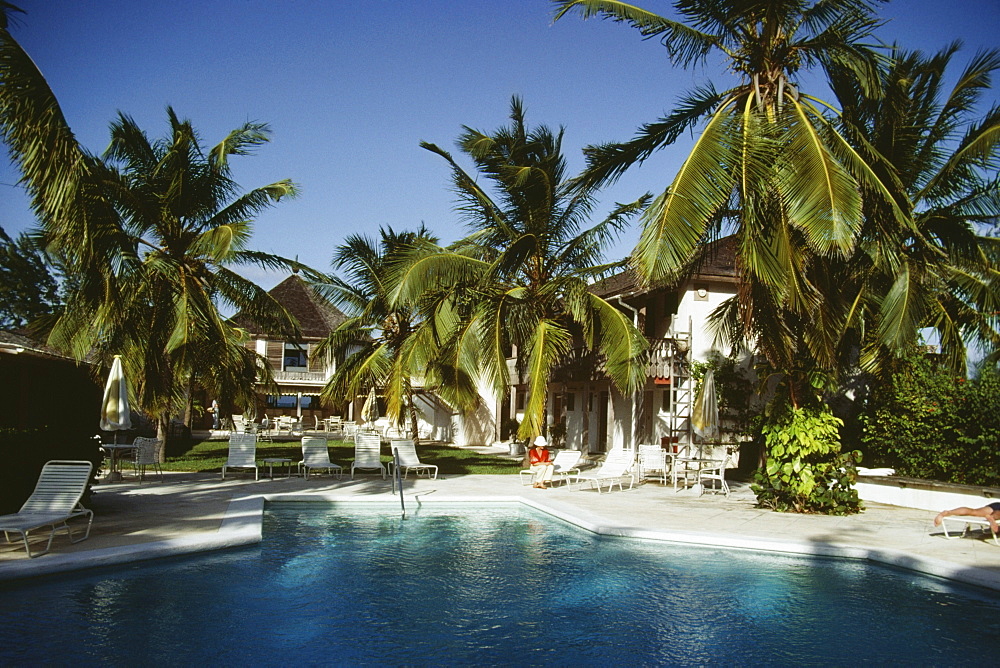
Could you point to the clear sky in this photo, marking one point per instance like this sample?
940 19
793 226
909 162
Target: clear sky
351 88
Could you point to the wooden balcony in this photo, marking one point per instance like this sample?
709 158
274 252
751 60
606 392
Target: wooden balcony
666 359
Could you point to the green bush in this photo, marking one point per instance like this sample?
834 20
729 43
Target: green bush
26 451
929 424
806 472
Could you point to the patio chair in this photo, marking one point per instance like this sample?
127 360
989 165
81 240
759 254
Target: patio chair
617 465
239 423
55 501
316 455
264 431
565 466
147 453
242 454
408 459
367 449
714 472
653 459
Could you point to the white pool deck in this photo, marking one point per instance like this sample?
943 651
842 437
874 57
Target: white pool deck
189 512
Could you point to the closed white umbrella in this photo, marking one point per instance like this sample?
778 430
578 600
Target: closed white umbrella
369 411
705 414
115 409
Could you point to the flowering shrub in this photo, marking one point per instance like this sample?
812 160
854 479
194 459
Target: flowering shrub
929 424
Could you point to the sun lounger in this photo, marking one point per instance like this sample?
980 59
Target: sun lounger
408 459
617 466
367 450
967 521
242 454
55 501
316 455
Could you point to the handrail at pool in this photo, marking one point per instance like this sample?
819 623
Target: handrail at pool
397 480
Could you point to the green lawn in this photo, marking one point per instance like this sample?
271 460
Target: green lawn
209 456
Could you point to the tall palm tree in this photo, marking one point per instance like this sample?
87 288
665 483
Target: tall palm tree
150 232
374 348
519 280
185 226
942 153
769 164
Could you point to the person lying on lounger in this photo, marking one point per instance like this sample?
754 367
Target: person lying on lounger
991 513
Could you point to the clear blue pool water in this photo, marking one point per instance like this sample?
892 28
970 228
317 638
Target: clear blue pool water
497 585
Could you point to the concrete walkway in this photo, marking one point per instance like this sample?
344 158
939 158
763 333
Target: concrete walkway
194 512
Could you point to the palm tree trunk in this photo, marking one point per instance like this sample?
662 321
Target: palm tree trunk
413 419
162 431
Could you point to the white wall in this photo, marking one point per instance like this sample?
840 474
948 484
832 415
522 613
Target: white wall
693 311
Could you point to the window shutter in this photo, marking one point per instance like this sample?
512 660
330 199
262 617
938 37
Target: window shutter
275 354
315 365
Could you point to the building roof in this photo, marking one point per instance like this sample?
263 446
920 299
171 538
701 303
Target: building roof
317 317
716 260
18 343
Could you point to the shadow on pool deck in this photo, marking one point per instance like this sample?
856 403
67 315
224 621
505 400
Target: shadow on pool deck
188 512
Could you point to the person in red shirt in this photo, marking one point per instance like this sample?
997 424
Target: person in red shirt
540 460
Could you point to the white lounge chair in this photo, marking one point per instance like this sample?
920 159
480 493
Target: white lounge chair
565 466
147 453
55 501
367 450
714 472
616 466
408 459
242 454
316 455
653 460
967 521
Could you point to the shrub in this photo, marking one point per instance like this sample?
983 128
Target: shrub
930 424
806 472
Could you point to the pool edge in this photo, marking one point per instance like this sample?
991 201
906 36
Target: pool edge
242 525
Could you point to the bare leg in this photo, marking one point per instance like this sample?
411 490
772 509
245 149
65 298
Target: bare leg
984 512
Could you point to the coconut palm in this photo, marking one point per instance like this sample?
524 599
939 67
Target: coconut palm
942 153
768 164
374 347
519 280
185 226
150 233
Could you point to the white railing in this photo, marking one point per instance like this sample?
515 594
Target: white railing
300 376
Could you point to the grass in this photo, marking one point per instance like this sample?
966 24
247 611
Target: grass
209 456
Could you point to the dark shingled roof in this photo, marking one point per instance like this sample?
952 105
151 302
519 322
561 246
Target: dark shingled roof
317 317
717 260
19 340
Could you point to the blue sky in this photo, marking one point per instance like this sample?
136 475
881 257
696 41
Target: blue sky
351 88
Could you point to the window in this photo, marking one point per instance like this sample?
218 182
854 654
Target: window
665 402
296 358
570 401
282 401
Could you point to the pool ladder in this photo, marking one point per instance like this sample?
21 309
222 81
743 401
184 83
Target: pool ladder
396 479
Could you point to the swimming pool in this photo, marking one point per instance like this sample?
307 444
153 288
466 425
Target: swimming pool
492 585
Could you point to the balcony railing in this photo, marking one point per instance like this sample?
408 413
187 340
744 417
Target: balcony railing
665 358
300 377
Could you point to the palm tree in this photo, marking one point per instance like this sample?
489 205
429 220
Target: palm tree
149 232
769 164
185 227
519 280
374 348
927 141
